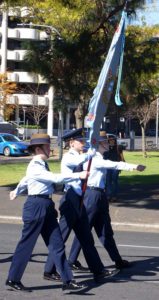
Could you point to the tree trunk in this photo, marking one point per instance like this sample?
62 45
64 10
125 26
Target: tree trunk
79 115
143 141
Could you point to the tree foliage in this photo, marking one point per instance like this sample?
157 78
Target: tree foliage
73 62
141 65
7 88
141 74
72 17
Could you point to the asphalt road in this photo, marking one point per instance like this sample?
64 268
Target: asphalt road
141 282
135 219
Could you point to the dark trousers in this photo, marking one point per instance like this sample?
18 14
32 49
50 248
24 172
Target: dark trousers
40 217
112 185
97 209
74 217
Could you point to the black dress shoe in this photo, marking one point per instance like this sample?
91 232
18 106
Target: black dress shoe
73 286
104 274
53 277
17 286
78 267
122 264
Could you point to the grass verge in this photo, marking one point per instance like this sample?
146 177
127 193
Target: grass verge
10 174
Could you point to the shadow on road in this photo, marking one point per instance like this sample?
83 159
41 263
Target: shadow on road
139 196
142 269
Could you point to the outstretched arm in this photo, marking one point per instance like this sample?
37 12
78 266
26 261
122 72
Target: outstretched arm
20 188
108 164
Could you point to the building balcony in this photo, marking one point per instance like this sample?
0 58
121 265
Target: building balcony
21 54
29 33
23 33
12 33
27 99
15 55
13 77
43 35
26 34
19 11
41 79
25 77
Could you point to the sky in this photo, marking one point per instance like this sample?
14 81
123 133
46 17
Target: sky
150 14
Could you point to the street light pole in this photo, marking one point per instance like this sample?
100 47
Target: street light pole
60 133
24 110
157 123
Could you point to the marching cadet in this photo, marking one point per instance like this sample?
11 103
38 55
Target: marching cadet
73 215
40 217
97 206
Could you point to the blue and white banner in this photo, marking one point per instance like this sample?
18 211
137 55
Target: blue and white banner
103 91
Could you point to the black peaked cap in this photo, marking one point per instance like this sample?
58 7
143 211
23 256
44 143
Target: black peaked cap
76 134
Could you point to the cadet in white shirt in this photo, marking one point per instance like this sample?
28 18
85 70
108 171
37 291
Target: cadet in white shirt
97 206
40 217
73 214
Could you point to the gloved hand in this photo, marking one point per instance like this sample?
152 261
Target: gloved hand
140 168
91 152
83 175
12 195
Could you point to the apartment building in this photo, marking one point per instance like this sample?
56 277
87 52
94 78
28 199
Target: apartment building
12 51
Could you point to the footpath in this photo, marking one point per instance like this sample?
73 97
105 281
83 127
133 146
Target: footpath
137 208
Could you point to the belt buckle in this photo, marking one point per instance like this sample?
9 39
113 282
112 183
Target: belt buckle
90 187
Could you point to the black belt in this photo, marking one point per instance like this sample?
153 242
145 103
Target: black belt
41 196
95 188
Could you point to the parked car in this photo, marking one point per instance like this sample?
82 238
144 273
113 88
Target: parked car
6 127
12 145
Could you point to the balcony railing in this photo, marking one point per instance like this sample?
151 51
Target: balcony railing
28 99
25 77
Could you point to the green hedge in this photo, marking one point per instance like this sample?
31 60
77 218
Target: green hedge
31 126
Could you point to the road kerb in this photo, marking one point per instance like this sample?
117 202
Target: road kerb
122 226
126 226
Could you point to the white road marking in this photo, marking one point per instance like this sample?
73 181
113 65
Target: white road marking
151 281
139 246
136 225
10 218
